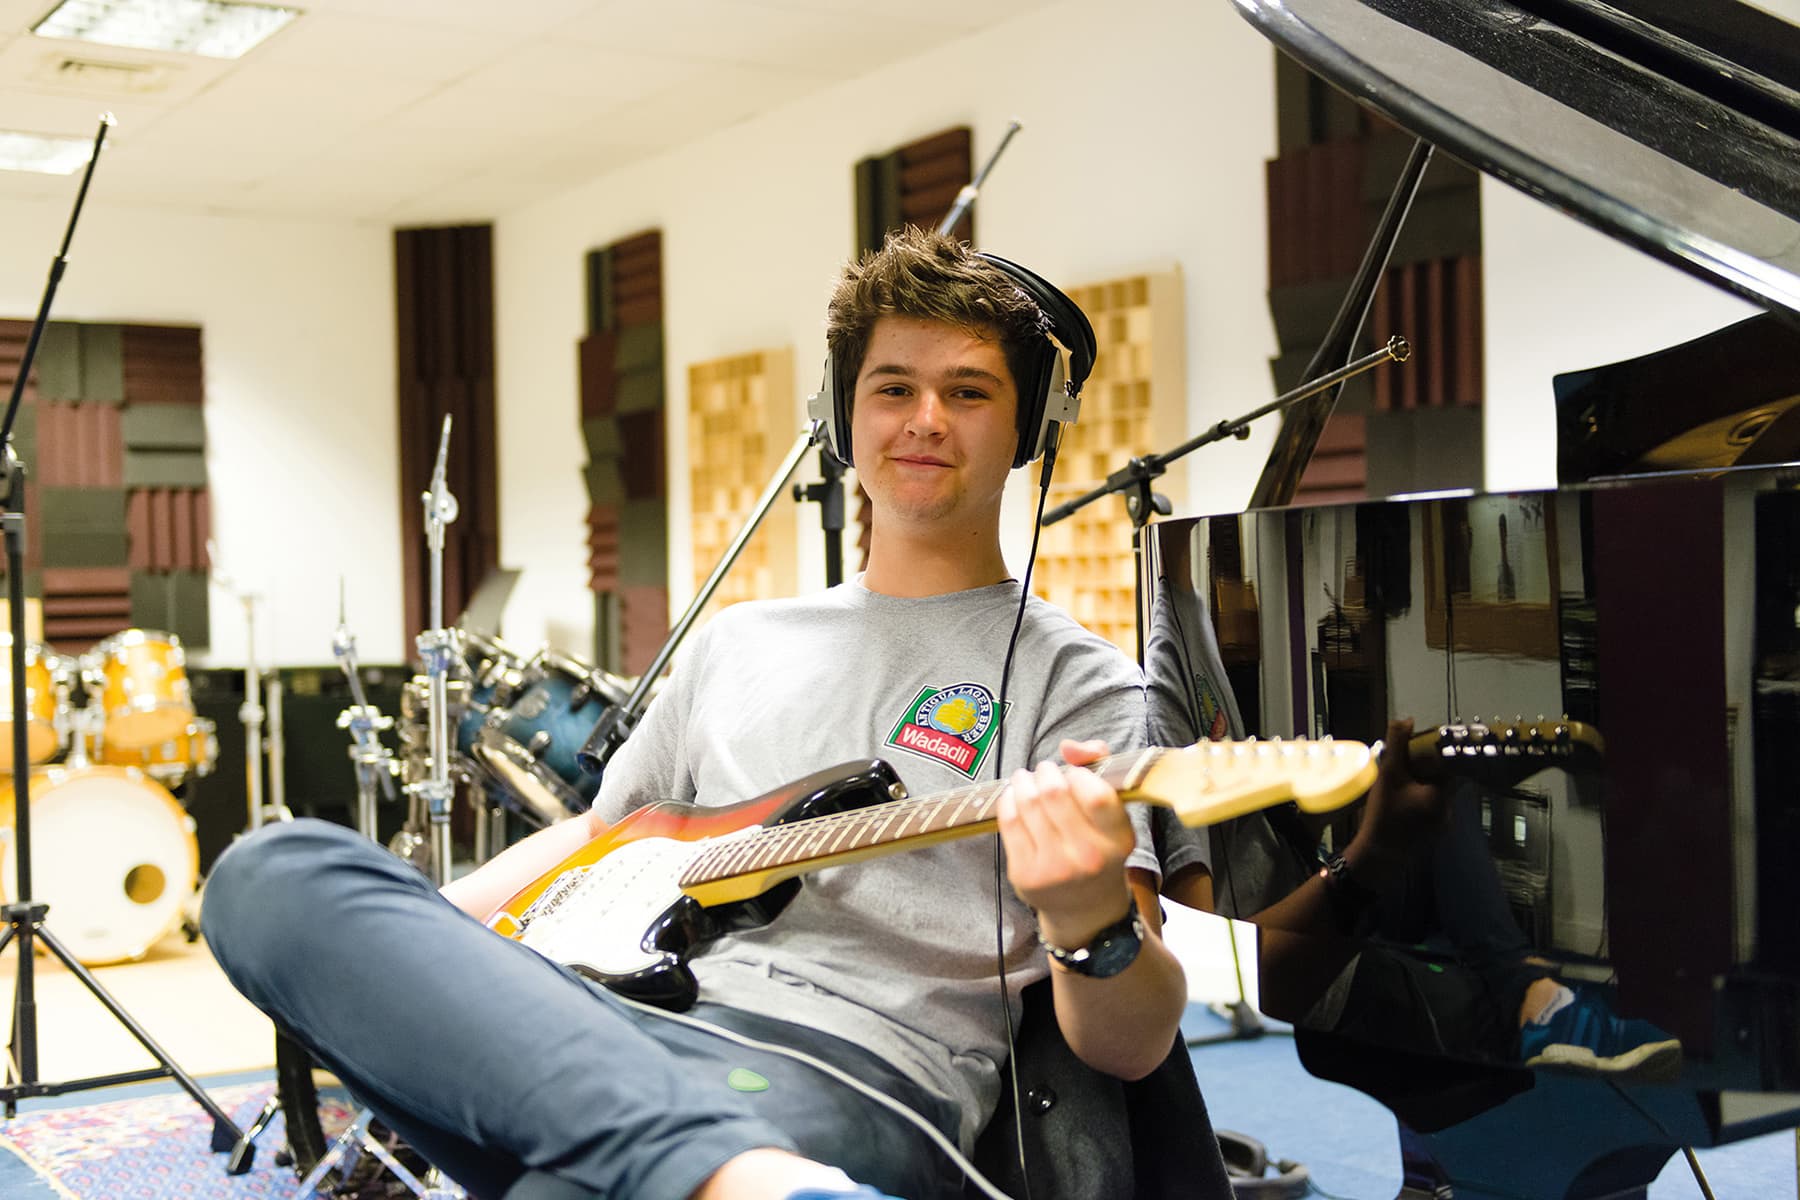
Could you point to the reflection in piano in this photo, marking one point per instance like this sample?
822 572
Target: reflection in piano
1636 912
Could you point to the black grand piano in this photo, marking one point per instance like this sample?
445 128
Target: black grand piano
1652 600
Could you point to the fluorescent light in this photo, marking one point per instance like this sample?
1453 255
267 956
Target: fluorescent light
47 155
214 28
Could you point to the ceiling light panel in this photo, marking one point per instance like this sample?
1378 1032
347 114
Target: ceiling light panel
212 28
45 155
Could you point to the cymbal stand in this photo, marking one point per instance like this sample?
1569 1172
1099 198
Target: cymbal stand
26 917
375 763
435 647
252 714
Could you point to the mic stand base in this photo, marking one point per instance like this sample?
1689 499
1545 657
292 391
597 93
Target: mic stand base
26 922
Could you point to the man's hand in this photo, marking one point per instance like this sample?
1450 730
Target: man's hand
1403 814
1067 836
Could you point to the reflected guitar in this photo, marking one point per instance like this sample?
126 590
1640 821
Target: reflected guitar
630 907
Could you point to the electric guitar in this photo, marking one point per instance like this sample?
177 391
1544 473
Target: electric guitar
628 908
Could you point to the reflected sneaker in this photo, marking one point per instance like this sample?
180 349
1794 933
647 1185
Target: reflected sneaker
1586 1036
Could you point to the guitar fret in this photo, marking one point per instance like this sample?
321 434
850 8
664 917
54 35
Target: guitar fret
848 829
888 821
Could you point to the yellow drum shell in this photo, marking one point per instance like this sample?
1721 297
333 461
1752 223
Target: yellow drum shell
112 854
42 742
144 692
195 748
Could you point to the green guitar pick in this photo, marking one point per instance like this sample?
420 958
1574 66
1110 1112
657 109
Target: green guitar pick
741 1080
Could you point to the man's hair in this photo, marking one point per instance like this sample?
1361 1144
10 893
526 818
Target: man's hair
922 274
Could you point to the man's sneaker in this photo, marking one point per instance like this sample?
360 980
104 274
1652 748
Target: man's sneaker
860 1193
1586 1036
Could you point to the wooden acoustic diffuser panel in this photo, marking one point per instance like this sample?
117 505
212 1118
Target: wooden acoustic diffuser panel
740 424
1134 403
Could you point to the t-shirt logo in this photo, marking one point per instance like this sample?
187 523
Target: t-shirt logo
953 725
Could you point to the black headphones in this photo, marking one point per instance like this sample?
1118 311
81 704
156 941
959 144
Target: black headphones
1247 1164
1044 397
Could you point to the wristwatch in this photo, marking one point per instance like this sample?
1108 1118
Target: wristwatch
1110 952
1350 897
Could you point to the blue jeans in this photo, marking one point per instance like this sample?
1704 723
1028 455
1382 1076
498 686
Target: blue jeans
491 1059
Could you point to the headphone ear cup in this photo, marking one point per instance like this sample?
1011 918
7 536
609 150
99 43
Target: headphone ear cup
830 407
1035 409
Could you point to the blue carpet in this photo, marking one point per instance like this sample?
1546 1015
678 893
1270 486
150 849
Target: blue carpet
1256 1087
1348 1141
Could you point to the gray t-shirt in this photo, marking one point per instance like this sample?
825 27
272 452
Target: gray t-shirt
896 953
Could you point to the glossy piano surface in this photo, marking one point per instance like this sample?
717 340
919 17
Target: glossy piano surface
1672 125
1665 613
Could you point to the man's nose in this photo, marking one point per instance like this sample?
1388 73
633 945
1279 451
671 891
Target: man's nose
927 415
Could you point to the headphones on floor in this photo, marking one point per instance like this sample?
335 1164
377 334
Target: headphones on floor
1044 396
1247 1163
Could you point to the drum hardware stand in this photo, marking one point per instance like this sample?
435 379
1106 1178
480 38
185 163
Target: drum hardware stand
275 747
374 762
358 1137
252 714
26 917
616 724
435 646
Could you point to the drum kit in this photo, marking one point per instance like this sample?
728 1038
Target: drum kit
516 721
112 737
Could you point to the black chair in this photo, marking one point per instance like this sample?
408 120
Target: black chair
1089 1136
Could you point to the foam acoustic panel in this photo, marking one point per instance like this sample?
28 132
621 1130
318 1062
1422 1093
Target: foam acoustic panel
1134 402
741 419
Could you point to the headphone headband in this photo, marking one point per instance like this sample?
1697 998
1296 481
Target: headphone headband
1044 397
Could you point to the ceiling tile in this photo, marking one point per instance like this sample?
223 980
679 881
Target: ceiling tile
350 45
836 44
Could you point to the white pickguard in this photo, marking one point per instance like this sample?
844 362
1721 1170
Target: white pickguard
597 916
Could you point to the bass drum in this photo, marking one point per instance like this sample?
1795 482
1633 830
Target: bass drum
112 854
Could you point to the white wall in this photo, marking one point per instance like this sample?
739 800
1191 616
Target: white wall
1559 296
1146 126
298 340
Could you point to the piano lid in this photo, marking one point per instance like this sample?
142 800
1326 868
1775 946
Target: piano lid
1673 125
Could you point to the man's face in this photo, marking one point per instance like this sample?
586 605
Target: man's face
932 424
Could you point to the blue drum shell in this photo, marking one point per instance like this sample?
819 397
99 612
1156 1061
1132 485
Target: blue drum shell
552 720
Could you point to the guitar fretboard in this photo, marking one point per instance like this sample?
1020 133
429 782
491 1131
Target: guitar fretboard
891 822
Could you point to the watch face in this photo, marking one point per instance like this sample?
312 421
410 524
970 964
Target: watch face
1118 951
1111 952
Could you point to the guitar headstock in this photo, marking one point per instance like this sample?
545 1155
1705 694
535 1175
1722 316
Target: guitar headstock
1213 781
1501 753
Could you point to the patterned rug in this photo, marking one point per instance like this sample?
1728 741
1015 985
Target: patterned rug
155 1147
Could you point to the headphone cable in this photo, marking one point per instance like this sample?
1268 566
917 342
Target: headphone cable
1051 438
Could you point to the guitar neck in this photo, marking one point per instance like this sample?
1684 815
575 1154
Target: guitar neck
817 842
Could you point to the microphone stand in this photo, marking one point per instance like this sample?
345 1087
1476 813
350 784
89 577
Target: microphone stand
1133 480
617 722
26 917
828 494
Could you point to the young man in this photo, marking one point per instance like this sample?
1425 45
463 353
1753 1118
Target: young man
497 1063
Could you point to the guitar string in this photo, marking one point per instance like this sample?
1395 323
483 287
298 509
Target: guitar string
767 846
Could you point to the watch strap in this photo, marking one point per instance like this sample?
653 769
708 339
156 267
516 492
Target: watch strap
1108 952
